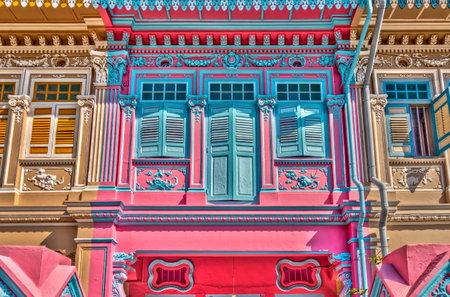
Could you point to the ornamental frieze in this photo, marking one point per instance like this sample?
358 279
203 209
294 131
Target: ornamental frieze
415 178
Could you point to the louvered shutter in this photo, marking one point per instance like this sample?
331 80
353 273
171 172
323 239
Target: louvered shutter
220 181
440 109
3 130
40 131
313 132
244 152
399 130
174 131
65 131
150 131
289 131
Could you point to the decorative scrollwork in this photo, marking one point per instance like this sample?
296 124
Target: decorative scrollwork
128 104
266 104
197 104
45 181
19 104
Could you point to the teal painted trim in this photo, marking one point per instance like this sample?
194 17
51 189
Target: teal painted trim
101 240
266 190
17 292
74 287
196 190
376 287
123 189
355 240
437 139
234 252
429 288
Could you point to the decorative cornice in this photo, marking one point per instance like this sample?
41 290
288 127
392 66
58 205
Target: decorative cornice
378 102
33 220
197 104
128 104
419 218
46 162
416 161
87 105
19 104
266 103
59 60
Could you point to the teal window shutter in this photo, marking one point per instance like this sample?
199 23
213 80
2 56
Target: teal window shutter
150 131
313 133
174 130
399 130
220 153
244 152
289 131
440 110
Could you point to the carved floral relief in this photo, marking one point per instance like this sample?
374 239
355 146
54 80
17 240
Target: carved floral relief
47 179
413 178
161 179
303 179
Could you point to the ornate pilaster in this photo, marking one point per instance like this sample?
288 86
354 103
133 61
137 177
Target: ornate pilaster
342 65
116 70
19 104
378 103
121 266
128 104
86 104
197 105
266 104
334 104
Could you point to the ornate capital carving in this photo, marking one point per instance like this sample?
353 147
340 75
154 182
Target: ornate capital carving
342 64
128 104
378 102
116 69
19 104
120 272
197 103
334 104
101 70
266 104
86 103
124 257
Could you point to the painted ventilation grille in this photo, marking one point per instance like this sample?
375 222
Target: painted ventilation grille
170 275
304 274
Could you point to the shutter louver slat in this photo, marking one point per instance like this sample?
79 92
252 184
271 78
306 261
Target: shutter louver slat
65 131
399 130
175 130
3 126
40 135
288 129
150 130
244 130
219 129
313 130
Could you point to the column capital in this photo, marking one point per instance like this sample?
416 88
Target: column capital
266 103
120 272
378 103
196 104
19 104
335 104
128 104
86 103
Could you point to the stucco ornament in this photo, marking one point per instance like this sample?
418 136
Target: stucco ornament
124 257
266 104
128 104
5 291
378 102
119 278
303 181
342 257
412 178
346 280
442 290
161 180
197 104
343 64
45 181
116 69
335 104
86 103
100 67
19 104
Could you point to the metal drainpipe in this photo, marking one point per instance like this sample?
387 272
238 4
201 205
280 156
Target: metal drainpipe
369 134
352 159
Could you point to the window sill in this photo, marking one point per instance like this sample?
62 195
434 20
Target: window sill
416 161
303 161
47 161
161 161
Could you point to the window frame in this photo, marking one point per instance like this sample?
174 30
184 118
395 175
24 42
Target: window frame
409 104
300 105
163 104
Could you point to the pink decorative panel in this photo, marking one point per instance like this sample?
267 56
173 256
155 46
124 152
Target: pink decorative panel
303 179
161 179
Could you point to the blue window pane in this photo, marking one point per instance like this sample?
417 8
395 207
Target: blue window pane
412 95
215 96
401 87
40 88
170 87
281 88
282 96
237 88
390 87
248 87
304 88
391 95
146 96
237 96
293 88
170 96
316 96
181 87
422 87
248 96
423 95
158 96
159 87
52 87
147 87
181 96
315 88
304 96
215 88
226 88
401 95
226 96
412 87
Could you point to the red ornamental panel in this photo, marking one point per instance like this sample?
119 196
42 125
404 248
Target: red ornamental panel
171 275
304 274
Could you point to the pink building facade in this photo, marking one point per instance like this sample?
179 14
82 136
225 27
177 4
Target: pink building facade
225 161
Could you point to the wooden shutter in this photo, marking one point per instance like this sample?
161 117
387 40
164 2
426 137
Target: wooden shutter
399 130
313 131
220 182
174 131
289 131
3 130
150 131
40 131
65 131
244 152
440 110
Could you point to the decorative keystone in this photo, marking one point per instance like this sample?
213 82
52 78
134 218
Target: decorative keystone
335 103
266 104
197 104
128 104
86 103
19 104
378 102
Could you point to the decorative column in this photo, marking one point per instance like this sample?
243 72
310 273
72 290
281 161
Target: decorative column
337 141
116 70
128 105
379 131
86 104
121 266
266 104
98 116
197 165
19 106
342 265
